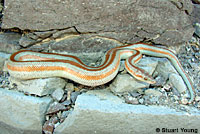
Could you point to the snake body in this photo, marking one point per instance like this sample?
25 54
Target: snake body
26 64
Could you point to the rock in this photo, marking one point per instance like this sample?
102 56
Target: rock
28 110
69 87
58 94
134 94
93 114
197 29
197 98
74 96
90 47
39 87
64 32
153 92
195 16
25 41
177 82
3 58
196 1
55 107
141 101
131 100
165 68
105 94
125 82
9 42
65 114
162 21
66 102
184 101
45 34
49 125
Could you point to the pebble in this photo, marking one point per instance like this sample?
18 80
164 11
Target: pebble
57 94
66 102
45 34
131 100
69 87
141 101
193 40
25 41
184 101
197 29
197 98
55 107
49 125
65 113
74 96
159 81
135 94
177 82
153 92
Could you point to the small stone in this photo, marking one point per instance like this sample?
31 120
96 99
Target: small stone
45 34
39 87
197 98
153 92
193 40
48 127
125 83
69 87
25 41
176 98
167 87
63 32
164 68
122 66
66 102
141 101
184 101
198 105
55 107
197 29
160 81
131 100
63 98
59 114
134 94
177 82
65 113
74 96
58 94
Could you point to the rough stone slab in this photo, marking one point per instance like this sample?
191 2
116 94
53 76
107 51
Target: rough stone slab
162 21
39 87
20 113
101 112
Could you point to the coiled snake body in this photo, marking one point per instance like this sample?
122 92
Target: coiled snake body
27 64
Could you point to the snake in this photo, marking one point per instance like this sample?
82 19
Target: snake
27 64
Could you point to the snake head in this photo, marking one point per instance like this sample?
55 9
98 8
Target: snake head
144 76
